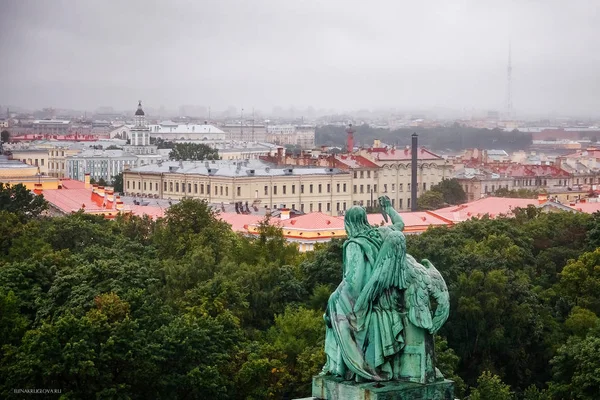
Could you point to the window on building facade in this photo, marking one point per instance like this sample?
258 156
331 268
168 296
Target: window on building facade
170 186
486 189
399 203
355 174
362 188
202 188
355 189
328 206
385 188
375 188
362 174
177 186
208 189
239 191
266 190
302 207
284 189
408 203
337 206
182 187
311 207
215 191
189 188
368 188
139 185
293 189
226 190
293 206
368 203
274 189
408 187
301 189
344 206
393 203
42 162
368 174
328 188
144 186
338 187
320 207
127 184
320 188
424 186
165 186
344 188
220 190
310 188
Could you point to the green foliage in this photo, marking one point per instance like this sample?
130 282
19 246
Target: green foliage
490 387
455 137
19 200
183 307
117 183
575 369
193 152
516 193
431 200
451 190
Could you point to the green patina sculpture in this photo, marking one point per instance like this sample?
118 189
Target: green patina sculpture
380 321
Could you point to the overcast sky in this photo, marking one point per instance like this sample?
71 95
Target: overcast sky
340 54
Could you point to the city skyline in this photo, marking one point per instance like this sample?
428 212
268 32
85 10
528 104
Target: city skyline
338 55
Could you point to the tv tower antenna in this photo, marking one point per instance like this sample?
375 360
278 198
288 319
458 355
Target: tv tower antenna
509 104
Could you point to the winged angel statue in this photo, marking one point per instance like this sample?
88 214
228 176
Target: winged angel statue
380 321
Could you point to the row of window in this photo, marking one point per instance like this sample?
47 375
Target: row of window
356 188
36 162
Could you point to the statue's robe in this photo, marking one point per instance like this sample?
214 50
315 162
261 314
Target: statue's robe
364 345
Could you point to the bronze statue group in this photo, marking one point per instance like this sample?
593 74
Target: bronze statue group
381 316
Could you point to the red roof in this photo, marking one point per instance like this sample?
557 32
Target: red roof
518 170
239 222
313 221
352 161
493 206
383 154
74 196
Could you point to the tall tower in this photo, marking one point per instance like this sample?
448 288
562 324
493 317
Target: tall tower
140 134
509 104
350 139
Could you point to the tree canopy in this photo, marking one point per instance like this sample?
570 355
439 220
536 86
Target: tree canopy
193 152
183 307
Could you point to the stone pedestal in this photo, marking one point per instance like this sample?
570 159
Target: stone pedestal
334 388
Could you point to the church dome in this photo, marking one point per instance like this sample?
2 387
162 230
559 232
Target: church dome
139 109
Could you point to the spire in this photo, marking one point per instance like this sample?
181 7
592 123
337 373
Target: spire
139 109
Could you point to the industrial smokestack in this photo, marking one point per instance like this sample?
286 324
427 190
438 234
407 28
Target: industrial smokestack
350 141
413 170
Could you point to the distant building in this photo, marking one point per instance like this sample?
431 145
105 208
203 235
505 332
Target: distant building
51 127
245 132
302 136
105 164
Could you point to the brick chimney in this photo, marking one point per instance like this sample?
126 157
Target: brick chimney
38 188
86 180
110 196
279 155
285 213
100 191
350 139
119 203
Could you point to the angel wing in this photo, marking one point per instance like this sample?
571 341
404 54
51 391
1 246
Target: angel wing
417 294
439 291
388 270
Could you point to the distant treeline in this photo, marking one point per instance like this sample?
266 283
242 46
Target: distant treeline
456 137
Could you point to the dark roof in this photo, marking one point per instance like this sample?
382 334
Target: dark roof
139 110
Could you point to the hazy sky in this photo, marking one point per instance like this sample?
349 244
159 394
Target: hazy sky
340 54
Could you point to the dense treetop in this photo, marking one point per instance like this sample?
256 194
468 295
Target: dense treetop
183 307
454 138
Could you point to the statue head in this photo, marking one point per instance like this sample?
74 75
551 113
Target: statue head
356 221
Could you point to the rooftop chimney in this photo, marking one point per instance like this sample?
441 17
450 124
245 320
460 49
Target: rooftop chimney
413 168
285 213
86 180
350 140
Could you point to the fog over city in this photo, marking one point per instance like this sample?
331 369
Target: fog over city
334 54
